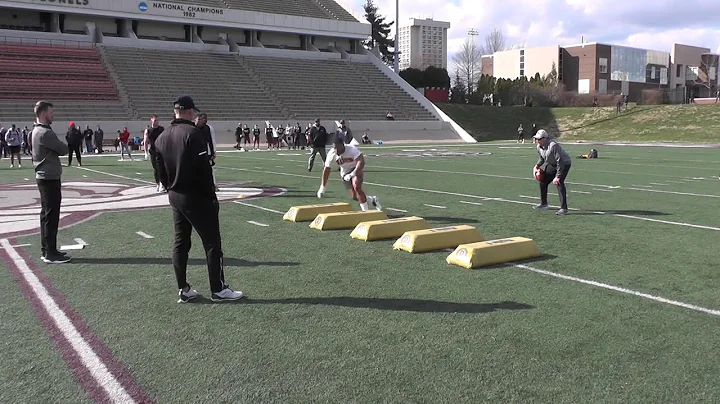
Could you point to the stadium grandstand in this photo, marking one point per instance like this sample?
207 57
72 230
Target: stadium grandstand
115 62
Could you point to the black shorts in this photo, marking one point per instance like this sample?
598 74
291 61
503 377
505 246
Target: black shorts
14 149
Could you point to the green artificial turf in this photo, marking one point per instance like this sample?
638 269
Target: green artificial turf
333 319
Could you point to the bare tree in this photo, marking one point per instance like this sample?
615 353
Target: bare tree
467 62
707 73
494 42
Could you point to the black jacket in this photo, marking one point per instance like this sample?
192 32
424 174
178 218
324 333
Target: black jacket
153 134
318 136
183 164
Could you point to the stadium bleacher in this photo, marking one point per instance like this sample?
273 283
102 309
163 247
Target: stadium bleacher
217 82
73 75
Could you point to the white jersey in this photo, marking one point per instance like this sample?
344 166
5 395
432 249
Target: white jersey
347 161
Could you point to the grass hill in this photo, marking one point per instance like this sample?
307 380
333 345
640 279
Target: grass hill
651 123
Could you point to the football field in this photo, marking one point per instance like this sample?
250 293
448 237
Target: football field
624 305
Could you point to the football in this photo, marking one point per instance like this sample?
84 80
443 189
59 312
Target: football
537 173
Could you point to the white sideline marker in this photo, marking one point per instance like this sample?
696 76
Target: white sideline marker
71 247
258 223
84 176
582 192
80 241
143 234
435 206
396 210
27 179
138 173
471 203
602 190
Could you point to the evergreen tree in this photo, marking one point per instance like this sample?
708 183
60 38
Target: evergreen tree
380 32
458 93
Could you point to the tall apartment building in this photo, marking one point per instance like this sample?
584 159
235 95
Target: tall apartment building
423 43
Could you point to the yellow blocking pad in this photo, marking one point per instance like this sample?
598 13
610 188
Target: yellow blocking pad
437 239
308 213
390 228
494 252
345 220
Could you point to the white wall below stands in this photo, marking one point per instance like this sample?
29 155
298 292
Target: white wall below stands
225 130
163 45
44 38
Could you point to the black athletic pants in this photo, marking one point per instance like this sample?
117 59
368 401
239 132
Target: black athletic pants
315 151
153 162
191 211
50 198
76 149
562 191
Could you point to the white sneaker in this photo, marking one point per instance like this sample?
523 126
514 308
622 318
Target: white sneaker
12 165
376 202
122 159
19 165
226 294
541 207
186 294
562 212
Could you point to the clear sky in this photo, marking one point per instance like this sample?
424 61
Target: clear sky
648 24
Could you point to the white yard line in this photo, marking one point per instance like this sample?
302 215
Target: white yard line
258 223
396 210
471 203
602 190
435 206
143 234
644 186
582 192
116 175
656 183
258 207
89 358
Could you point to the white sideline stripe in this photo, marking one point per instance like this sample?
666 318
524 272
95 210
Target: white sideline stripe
656 183
696 226
116 175
84 176
71 247
471 203
621 290
143 234
258 207
81 241
582 192
603 190
258 223
675 182
675 192
599 285
21 245
138 173
435 206
644 186
89 358
484 198
396 210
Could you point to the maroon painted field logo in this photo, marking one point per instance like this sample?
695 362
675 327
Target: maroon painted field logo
20 203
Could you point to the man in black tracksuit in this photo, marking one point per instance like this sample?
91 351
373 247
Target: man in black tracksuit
74 140
184 170
152 134
318 139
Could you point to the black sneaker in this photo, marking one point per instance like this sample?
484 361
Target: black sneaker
55 258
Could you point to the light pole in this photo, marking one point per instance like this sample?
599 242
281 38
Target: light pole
396 62
473 33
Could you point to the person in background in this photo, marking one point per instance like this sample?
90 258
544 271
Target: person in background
246 137
521 134
124 138
298 137
13 138
46 152
88 135
365 138
153 131
3 143
256 138
26 141
74 140
208 133
99 134
346 132
552 167
318 139
238 135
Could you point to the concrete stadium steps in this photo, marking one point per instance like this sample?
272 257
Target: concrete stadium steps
336 10
217 82
20 112
331 89
326 9
206 3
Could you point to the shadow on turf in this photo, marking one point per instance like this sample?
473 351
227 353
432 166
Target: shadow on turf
228 262
442 219
510 265
623 212
423 306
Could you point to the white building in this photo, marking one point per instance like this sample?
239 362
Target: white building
423 43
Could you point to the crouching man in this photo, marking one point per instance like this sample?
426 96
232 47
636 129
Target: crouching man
352 165
552 167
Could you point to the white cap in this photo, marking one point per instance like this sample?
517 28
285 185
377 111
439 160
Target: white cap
541 134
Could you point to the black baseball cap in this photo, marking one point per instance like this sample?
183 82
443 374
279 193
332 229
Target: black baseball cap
339 139
184 103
